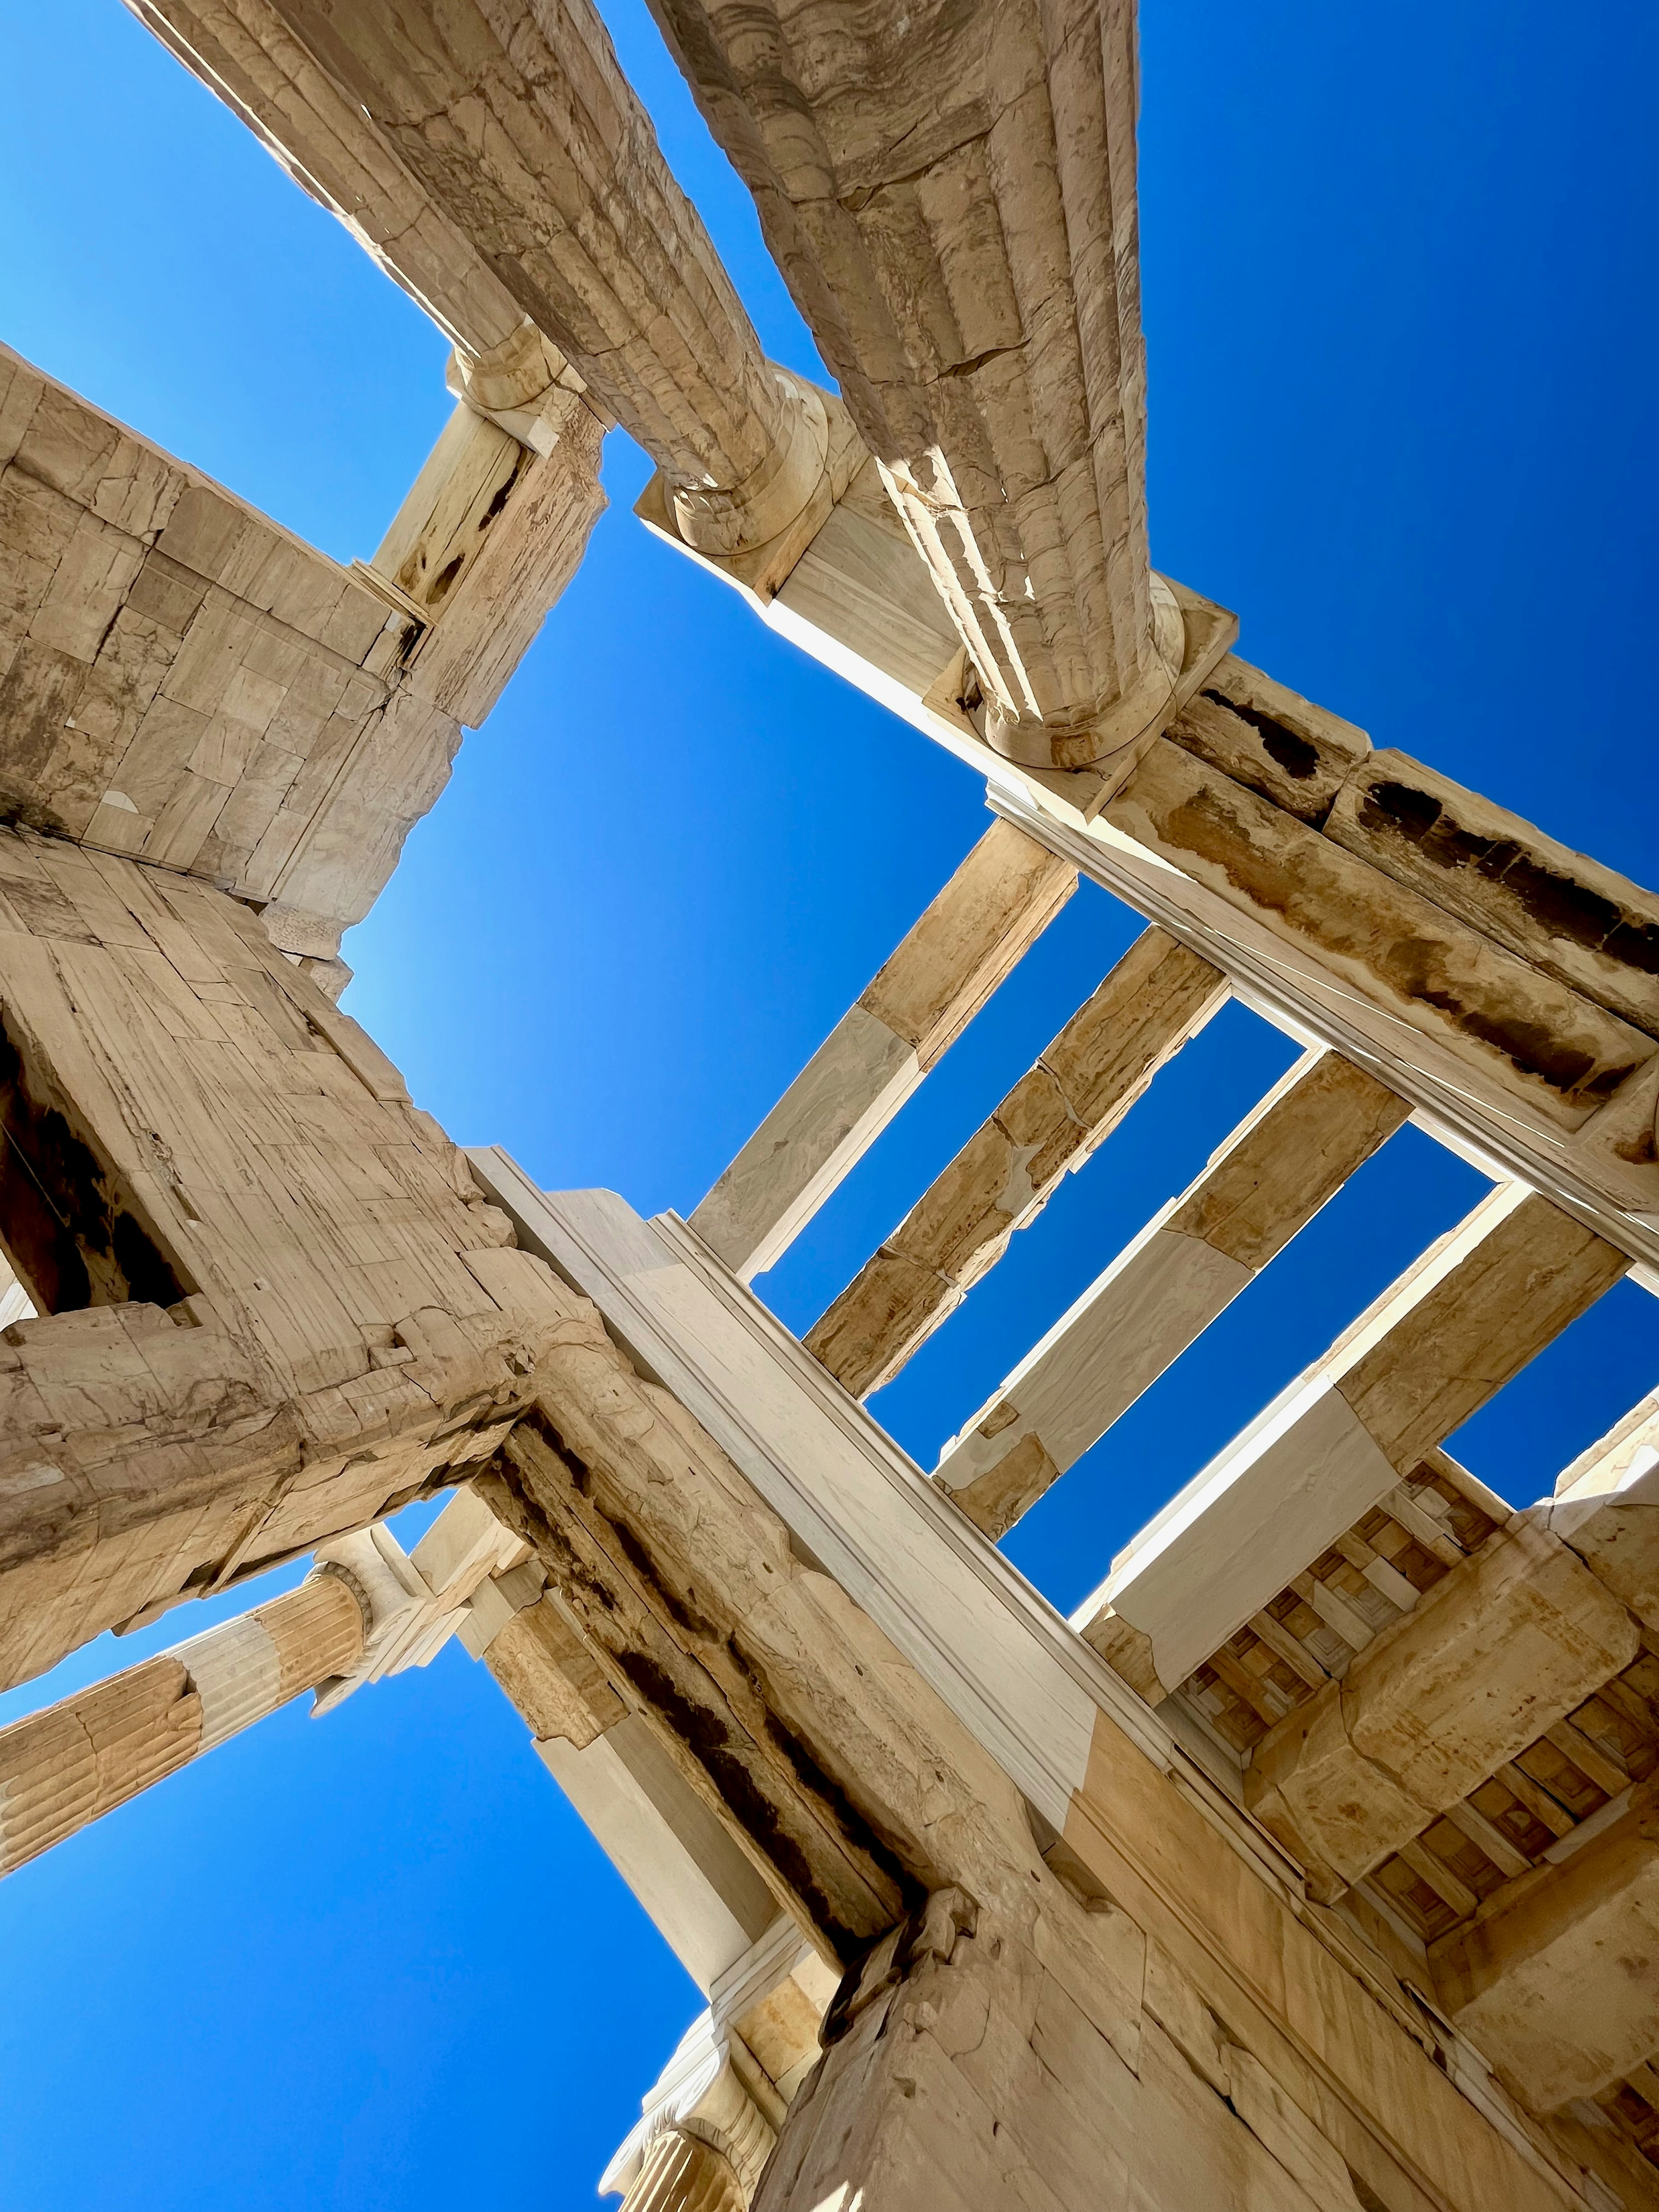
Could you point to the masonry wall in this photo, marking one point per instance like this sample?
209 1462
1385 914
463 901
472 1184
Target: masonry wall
282 1306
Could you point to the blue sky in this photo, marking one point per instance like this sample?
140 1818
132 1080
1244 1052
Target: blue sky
1400 326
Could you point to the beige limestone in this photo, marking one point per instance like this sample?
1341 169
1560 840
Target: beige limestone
970 938
1270 739
1506 1645
184 682
78 1759
1298 1146
512 137
1424 1357
1566 916
952 198
1158 995
1559 1984
1380 936
1607 1506
316 1316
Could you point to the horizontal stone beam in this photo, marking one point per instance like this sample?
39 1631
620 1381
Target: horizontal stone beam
1267 1180
1156 998
979 927
1606 1506
1427 1354
1533 1035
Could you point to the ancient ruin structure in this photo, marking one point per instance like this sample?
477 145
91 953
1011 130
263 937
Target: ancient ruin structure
1316 1863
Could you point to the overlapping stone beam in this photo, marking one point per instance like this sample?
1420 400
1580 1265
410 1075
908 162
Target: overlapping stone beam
979 927
952 199
522 139
1425 1356
1451 1718
910 1676
1500 983
1156 997
1323 1119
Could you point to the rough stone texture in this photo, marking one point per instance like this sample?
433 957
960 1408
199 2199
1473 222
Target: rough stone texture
1132 2014
511 137
1505 1645
1381 937
1559 1985
283 1302
1158 995
183 681
682 2174
1565 914
1424 1357
244 51
949 193
1270 739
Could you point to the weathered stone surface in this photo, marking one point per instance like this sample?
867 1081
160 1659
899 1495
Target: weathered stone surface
1381 937
283 1302
1567 915
1428 1353
1267 738
521 135
1505 1645
1559 1985
551 1677
951 195
1158 996
192 685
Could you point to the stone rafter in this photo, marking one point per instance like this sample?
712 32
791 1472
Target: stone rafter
1156 997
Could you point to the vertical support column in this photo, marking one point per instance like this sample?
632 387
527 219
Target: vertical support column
67 1766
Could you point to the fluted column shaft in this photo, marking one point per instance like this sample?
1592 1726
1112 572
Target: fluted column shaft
78 1759
681 2174
950 192
518 123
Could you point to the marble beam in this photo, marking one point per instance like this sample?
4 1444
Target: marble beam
983 923
1156 998
953 204
1429 1352
1267 1180
1606 1506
